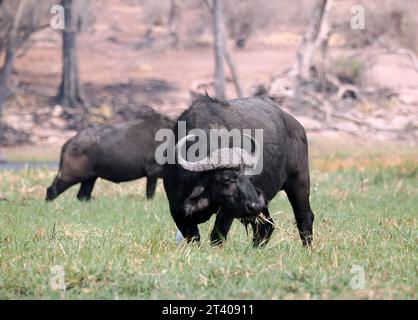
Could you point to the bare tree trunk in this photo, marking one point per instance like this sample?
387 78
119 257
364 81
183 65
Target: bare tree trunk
219 49
69 93
233 70
6 70
317 33
316 37
5 73
323 47
173 23
227 55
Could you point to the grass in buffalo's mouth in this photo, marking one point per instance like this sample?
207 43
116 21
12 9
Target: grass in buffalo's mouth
123 246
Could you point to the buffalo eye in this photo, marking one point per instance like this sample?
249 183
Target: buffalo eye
227 180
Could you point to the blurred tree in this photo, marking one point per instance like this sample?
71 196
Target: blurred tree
316 38
233 70
69 93
173 18
166 15
222 51
18 21
8 63
218 37
12 39
245 17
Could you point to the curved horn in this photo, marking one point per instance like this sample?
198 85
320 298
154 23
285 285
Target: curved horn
181 161
224 158
196 166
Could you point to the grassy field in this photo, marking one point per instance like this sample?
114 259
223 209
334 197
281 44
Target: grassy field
121 246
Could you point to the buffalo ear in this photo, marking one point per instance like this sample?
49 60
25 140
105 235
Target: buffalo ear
197 201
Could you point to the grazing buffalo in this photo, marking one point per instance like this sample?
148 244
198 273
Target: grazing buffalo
198 189
118 153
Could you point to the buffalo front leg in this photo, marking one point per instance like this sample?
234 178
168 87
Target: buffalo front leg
220 231
86 188
297 191
189 230
190 233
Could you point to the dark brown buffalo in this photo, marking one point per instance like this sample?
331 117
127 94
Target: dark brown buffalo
198 190
118 153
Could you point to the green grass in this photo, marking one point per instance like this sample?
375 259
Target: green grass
121 246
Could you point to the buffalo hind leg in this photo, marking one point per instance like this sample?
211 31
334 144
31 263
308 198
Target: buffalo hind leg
297 191
151 186
58 186
220 231
86 188
262 230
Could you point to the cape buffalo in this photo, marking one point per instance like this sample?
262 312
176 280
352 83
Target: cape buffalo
118 153
197 190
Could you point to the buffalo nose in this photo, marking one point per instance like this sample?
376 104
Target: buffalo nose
254 207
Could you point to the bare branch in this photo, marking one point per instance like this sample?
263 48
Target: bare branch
219 48
208 5
233 69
